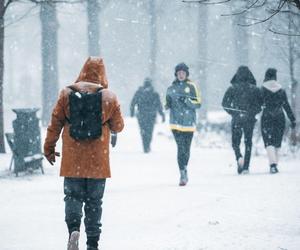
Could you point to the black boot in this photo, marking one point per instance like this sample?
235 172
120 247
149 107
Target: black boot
273 168
92 242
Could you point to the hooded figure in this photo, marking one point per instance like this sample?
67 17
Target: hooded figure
183 99
148 104
273 118
85 163
242 101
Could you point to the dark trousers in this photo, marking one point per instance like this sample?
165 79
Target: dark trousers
238 129
87 192
146 123
183 141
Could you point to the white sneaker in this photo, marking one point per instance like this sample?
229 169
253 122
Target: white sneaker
245 171
73 243
240 163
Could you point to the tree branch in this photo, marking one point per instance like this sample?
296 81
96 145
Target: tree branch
57 1
246 9
280 6
21 17
297 3
282 33
205 1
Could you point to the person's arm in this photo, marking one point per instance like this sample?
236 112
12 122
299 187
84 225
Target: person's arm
193 101
227 101
116 122
168 103
133 104
57 122
256 103
288 110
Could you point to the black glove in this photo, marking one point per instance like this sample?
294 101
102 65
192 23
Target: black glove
51 157
113 140
182 99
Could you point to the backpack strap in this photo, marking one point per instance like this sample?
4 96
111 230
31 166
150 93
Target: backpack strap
76 90
72 88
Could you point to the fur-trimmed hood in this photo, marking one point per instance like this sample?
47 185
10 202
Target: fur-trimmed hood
272 85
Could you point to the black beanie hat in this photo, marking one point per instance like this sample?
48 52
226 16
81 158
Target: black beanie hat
271 74
183 67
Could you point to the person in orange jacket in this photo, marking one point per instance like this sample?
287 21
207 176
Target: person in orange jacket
85 151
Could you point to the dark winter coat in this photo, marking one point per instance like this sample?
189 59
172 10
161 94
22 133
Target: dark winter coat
183 98
273 118
90 158
242 101
147 102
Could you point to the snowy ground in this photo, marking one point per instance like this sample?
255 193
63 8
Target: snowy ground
145 209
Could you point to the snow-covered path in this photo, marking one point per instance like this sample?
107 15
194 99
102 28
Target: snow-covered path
145 209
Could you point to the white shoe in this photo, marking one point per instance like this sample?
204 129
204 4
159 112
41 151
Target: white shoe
240 163
73 243
245 171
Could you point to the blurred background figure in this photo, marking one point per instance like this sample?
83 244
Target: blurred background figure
273 120
148 103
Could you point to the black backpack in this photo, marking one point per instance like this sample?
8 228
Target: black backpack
85 114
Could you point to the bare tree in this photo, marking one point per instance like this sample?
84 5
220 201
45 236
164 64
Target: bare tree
241 38
153 39
202 54
3 8
293 60
49 54
49 29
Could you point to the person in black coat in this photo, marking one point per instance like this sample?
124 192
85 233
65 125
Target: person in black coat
273 118
148 104
242 101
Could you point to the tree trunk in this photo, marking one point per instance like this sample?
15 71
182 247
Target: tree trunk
93 9
49 27
292 64
241 37
153 40
202 56
2 145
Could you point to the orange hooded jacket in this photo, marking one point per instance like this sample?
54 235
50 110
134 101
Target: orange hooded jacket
88 158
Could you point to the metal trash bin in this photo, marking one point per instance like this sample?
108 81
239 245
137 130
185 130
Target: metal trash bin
25 142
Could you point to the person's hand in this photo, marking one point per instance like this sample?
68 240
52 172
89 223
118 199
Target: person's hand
113 140
51 157
163 118
182 99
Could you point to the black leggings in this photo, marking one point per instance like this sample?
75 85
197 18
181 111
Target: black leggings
238 128
183 141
